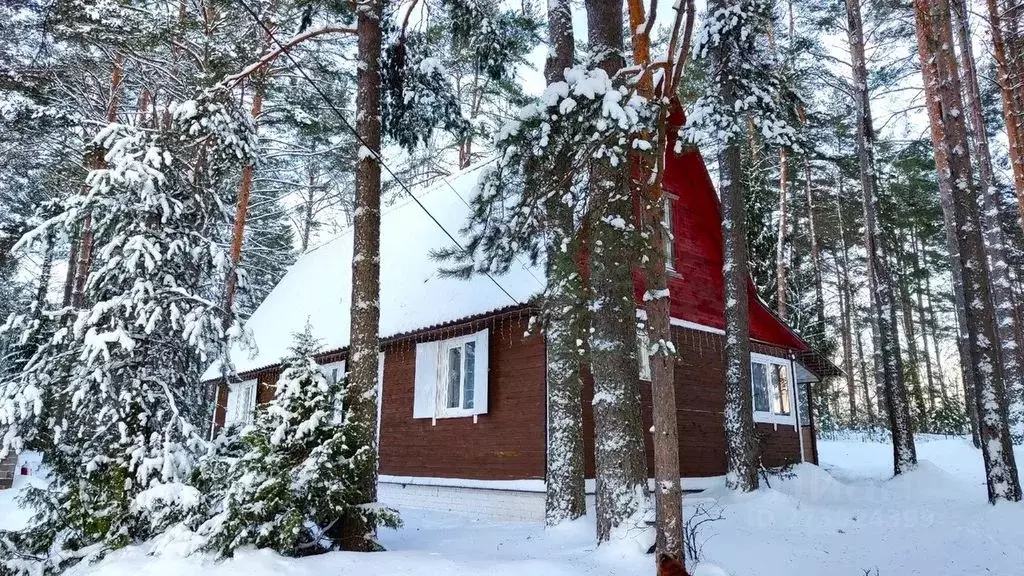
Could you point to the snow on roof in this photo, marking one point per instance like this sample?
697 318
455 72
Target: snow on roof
413 294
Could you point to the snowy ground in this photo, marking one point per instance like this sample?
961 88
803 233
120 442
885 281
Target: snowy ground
842 519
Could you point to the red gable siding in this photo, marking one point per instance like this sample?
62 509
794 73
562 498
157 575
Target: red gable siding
696 290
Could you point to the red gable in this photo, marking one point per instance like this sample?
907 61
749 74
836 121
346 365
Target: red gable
696 289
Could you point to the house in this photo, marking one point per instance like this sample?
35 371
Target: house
462 416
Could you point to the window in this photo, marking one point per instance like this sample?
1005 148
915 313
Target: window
666 222
451 377
771 380
241 404
334 373
460 377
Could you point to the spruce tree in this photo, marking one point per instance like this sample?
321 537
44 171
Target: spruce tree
297 473
117 385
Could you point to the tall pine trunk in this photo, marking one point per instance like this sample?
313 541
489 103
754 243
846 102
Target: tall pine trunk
621 467
818 334
1010 90
358 531
740 441
566 497
949 137
995 246
913 371
646 182
922 320
781 273
883 299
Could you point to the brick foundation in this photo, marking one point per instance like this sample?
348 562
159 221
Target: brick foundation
8 468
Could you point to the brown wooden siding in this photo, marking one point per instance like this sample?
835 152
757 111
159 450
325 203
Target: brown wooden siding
506 443
509 441
700 394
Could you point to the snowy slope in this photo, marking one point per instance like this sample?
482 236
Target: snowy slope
838 520
413 295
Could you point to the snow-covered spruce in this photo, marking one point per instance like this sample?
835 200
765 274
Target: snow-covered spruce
113 396
295 476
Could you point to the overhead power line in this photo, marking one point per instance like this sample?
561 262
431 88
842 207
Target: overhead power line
376 153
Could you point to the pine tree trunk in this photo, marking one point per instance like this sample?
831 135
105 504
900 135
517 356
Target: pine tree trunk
1002 288
918 272
913 355
865 383
818 333
883 300
241 211
621 466
45 271
847 309
781 297
949 137
357 531
566 496
741 447
934 323
646 183
82 260
69 276
1010 89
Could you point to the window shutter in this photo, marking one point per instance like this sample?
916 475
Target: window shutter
425 394
483 353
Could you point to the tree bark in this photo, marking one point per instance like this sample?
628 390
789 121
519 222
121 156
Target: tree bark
621 466
818 334
922 320
913 354
949 137
742 453
1010 89
995 245
358 531
847 308
883 300
646 183
566 496
781 274
80 260
241 211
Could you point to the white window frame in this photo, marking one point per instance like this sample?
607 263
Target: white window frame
669 231
770 416
441 403
241 394
335 369
329 368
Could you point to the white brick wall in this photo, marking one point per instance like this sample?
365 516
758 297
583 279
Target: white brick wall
478 502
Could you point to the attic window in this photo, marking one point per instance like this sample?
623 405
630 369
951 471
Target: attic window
771 380
451 377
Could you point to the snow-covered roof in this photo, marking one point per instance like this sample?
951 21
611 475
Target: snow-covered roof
413 294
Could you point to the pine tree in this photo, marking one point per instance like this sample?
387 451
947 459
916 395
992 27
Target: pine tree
564 329
745 86
952 159
888 366
120 377
621 468
297 471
